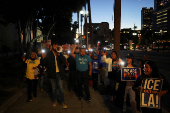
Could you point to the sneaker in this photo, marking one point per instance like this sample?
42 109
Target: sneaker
89 100
42 89
29 100
63 105
79 98
54 103
111 98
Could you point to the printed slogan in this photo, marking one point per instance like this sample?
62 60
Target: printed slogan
130 74
148 96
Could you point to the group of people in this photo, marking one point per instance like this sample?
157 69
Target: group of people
84 67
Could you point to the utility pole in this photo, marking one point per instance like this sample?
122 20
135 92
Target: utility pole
78 20
90 24
117 20
86 35
134 37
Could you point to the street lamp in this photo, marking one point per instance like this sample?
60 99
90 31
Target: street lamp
84 14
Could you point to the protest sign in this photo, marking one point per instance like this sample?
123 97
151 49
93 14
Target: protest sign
148 96
130 74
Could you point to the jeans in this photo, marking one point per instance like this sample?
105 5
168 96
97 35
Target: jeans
128 90
112 87
41 81
57 83
73 80
102 74
32 87
83 79
95 80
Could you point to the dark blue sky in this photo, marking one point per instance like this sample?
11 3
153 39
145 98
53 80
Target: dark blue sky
102 11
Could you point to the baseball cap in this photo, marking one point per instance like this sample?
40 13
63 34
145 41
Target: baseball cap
94 54
130 56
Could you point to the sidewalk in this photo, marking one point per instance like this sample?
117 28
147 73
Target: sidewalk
43 103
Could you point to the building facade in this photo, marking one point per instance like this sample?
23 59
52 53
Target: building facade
101 32
159 4
161 16
146 18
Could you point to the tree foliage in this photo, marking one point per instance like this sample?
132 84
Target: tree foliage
43 14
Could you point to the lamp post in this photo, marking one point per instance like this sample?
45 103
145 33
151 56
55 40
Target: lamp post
81 12
84 14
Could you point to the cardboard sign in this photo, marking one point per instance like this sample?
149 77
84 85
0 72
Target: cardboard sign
130 74
148 96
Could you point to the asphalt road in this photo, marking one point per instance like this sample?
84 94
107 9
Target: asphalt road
162 59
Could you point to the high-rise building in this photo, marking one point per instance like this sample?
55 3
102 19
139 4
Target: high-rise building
101 30
161 16
159 4
146 18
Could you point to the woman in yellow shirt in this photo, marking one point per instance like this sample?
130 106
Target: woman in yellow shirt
32 75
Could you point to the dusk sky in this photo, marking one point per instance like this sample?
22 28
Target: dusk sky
102 11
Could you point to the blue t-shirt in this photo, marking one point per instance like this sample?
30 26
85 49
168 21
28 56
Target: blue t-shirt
82 62
100 57
95 66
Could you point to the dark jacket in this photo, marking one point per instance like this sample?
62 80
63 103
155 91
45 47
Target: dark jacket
72 63
138 83
51 67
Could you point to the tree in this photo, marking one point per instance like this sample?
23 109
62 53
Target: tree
29 15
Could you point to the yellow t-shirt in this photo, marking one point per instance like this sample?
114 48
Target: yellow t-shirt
30 70
57 70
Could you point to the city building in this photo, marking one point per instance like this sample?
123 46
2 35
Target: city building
101 32
159 4
146 18
161 17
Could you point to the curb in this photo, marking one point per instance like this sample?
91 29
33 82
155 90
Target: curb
11 100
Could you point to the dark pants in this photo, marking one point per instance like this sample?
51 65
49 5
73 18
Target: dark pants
112 79
83 79
112 87
151 110
32 87
95 80
73 79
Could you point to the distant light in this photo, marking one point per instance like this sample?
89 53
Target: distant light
134 33
122 63
77 41
91 49
43 51
68 52
81 12
98 42
53 34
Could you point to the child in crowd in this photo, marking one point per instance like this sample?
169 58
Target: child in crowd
95 71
